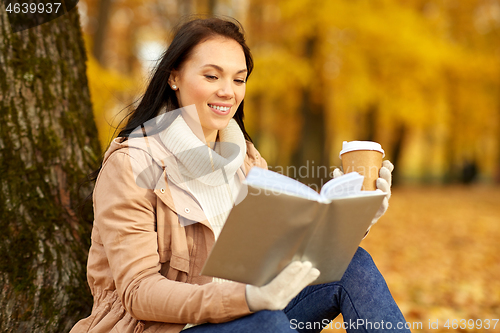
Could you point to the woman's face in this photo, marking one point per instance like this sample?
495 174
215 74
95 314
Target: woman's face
213 79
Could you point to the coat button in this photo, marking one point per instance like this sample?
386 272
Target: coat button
187 210
162 190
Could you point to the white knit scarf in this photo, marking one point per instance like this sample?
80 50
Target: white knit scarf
209 174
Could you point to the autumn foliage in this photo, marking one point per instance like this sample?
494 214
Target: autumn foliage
420 77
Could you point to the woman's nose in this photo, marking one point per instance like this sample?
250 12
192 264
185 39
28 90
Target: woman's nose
226 90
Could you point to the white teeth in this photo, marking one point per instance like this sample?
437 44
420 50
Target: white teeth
222 108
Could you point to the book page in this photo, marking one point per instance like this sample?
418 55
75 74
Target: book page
273 181
343 186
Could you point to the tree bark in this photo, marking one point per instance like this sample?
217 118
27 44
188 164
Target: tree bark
48 144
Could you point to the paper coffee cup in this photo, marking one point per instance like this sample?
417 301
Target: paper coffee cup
364 157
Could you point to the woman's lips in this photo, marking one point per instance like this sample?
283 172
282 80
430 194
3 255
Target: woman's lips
218 109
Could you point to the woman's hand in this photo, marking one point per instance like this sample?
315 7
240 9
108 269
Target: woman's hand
384 183
283 288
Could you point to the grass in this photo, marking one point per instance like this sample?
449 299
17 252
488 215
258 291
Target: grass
439 251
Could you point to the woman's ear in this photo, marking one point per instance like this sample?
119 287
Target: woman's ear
172 79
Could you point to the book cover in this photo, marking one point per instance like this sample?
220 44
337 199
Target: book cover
281 220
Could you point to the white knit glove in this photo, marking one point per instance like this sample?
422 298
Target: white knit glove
384 183
283 288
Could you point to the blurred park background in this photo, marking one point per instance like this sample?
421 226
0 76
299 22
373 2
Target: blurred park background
421 77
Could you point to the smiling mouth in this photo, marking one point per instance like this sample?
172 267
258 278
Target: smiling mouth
220 108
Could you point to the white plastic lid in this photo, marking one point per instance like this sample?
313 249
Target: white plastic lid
360 145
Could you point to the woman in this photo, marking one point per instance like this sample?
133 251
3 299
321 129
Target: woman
161 197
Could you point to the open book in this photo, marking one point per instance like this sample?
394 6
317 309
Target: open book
281 220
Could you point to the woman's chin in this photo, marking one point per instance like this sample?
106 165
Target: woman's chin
220 124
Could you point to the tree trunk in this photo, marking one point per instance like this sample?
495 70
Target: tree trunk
48 143
185 8
211 7
311 152
101 31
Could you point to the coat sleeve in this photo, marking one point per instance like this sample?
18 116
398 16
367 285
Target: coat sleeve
125 218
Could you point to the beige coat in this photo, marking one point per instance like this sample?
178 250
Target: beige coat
144 265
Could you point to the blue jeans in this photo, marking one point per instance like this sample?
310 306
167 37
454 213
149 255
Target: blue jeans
361 296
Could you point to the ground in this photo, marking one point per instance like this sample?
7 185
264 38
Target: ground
438 249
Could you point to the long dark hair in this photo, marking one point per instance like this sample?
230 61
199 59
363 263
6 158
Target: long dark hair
159 94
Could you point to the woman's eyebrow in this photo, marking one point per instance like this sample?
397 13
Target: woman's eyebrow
220 69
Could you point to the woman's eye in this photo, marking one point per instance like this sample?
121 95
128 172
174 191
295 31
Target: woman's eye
239 81
211 77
